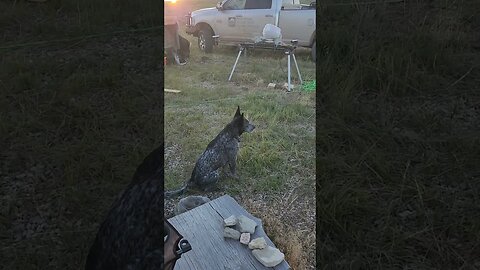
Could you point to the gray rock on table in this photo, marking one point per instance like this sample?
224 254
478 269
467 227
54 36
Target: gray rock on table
246 225
245 238
230 221
268 256
231 233
257 243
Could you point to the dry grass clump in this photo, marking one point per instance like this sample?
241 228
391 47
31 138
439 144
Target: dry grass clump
288 240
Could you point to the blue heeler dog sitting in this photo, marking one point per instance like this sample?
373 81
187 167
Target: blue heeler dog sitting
220 152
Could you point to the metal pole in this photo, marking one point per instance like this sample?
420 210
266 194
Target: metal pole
288 53
298 70
235 65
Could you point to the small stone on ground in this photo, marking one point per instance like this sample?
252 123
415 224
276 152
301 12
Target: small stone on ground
285 86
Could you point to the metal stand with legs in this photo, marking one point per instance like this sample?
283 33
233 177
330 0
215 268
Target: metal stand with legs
298 70
236 61
289 51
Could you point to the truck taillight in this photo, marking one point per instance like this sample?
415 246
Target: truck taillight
189 19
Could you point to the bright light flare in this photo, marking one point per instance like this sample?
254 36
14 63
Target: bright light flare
171 1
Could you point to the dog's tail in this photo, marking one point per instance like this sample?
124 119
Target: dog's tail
177 192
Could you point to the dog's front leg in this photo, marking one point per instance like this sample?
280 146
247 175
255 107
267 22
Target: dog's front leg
232 164
232 159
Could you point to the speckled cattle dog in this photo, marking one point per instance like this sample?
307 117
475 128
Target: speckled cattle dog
131 235
220 152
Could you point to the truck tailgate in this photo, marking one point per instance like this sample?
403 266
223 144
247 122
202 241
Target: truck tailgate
297 24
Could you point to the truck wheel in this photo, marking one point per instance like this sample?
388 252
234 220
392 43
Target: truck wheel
205 40
314 52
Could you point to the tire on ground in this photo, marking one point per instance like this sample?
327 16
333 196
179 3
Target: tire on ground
205 39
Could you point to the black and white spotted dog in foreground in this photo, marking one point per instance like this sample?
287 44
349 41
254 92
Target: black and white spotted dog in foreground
220 152
131 237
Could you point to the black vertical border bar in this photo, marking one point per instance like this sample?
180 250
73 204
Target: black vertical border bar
162 111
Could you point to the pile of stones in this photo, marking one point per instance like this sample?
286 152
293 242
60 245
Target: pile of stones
242 228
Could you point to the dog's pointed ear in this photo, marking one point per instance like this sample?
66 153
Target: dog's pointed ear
237 113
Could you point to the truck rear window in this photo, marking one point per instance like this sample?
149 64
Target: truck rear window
258 4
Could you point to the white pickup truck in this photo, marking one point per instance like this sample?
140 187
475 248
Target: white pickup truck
237 21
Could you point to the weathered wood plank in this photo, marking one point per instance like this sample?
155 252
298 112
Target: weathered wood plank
203 228
171 90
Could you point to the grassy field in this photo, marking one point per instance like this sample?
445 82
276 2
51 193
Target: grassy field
276 162
398 136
